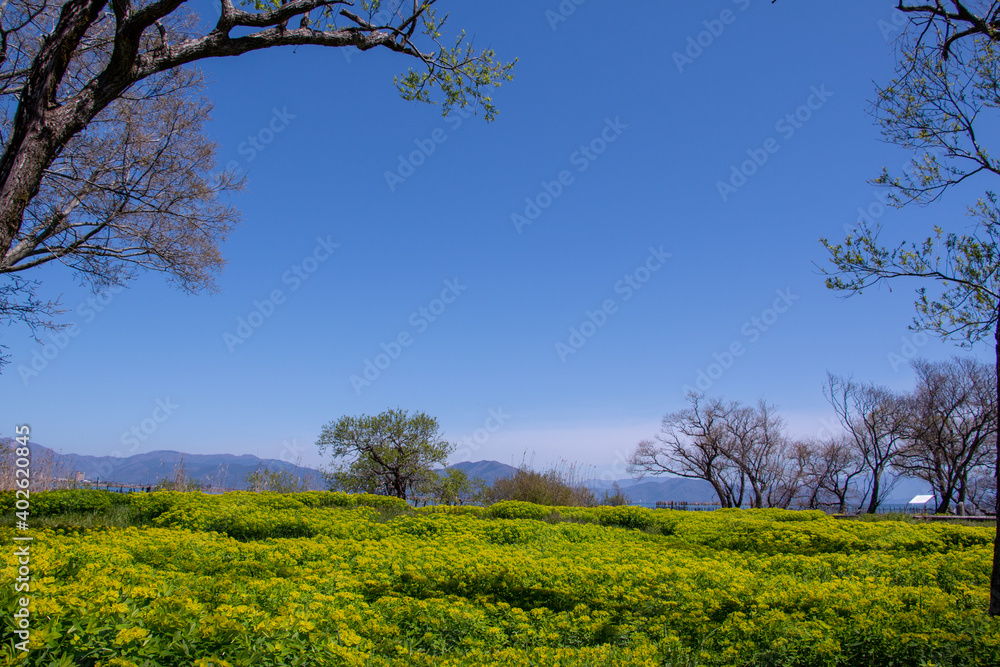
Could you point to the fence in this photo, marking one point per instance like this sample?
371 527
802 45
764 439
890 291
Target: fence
829 509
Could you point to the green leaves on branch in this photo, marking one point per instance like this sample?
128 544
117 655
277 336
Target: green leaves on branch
390 453
939 107
459 72
964 266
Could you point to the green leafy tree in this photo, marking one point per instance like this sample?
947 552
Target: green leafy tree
390 454
453 487
945 94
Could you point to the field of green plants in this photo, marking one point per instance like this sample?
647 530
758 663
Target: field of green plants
320 578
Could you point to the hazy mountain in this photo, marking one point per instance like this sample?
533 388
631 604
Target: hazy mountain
229 470
652 490
488 471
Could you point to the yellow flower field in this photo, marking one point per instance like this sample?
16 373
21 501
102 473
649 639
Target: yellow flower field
328 579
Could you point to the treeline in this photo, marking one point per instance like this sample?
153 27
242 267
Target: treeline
943 432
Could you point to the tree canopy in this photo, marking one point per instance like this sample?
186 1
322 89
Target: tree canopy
105 165
391 453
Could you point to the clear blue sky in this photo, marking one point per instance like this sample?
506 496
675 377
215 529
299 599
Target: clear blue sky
640 140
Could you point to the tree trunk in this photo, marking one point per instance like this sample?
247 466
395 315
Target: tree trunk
943 491
995 575
876 482
945 504
723 496
39 127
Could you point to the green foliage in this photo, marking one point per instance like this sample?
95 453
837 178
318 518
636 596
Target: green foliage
147 506
626 516
935 105
390 453
517 509
69 501
457 71
461 74
463 586
470 510
453 487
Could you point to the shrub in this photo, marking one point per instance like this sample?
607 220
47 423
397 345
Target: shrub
559 487
626 516
516 509
69 501
472 510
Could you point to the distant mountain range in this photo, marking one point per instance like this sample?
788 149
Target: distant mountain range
488 471
230 471
226 470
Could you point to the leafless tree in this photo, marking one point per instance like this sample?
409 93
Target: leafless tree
105 167
875 421
951 21
982 492
695 443
793 484
756 444
740 450
952 430
834 468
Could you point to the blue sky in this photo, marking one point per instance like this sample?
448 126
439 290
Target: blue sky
373 226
